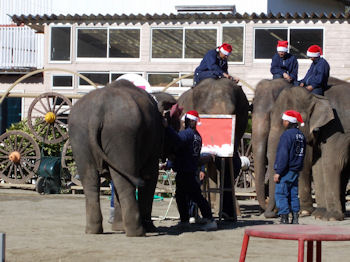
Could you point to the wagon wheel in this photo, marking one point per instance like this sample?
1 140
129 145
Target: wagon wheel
245 181
19 157
48 117
68 162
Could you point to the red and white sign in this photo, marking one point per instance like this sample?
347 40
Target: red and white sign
137 80
218 133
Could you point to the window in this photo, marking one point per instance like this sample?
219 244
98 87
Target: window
167 43
115 76
299 40
159 79
199 41
60 44
266 42
182 43
100 79
235 37
92 42
62 81
124 43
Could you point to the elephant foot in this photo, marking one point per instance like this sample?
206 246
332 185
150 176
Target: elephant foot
333 216
118 226
149 226
270 214
98 229
140 232
319 213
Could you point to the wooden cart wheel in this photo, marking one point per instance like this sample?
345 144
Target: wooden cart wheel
68 162
19 157
48 117
245 181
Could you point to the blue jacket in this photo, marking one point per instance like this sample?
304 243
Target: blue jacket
317 75
288 64
188 145
290 152
211 65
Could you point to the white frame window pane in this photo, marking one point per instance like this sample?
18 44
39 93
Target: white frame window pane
60 43
167 43
266 41
234 35
199 41
162 79
100 79
62 81
301 39
124 43
92 43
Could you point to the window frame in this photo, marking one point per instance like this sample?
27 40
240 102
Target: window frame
184 28
288 28
244 43
107 58
70 45
62 87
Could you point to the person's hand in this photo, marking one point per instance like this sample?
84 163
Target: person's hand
227 76
310 88
287 77
201 175
301 84
276 178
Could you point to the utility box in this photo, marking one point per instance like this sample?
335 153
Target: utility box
49 172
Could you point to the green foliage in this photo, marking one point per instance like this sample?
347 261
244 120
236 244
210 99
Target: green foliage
48 150
249 125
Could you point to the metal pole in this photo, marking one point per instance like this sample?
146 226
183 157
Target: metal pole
2 246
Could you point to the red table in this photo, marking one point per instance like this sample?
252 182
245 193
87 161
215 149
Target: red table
301 233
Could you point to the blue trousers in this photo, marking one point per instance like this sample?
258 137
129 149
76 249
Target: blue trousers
199 76
286 193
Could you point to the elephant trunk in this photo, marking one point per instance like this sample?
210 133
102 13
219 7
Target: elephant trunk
260 127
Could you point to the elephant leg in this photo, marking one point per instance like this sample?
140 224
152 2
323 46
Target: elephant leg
332 166
319 189
128 204
305 195
118 217
146 195
270 211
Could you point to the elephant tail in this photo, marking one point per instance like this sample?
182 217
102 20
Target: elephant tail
93 136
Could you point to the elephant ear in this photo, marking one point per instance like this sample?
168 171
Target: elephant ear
321 113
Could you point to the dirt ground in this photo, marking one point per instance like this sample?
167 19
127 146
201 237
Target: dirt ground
51 228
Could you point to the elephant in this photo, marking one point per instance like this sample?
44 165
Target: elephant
118 128
220 96
326 130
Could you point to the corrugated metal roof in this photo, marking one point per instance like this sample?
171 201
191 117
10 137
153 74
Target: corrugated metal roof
37 21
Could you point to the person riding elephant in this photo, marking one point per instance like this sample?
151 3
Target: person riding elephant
214 65
327 129
123 132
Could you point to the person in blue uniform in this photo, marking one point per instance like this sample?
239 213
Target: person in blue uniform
187 153
284 65
289 162
316 78
214 65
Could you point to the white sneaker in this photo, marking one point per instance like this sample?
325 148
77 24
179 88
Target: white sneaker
192 220
210 226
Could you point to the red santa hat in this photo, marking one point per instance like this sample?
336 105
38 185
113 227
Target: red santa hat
314 51
293 117
225 48
193 115
282 46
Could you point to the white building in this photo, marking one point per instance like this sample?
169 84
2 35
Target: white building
162 40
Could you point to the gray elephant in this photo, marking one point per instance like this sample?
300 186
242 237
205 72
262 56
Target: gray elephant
327 132
221 96
118 128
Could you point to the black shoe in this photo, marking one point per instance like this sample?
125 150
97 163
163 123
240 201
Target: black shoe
284 219
295 219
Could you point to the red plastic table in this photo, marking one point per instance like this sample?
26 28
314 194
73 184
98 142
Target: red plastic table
301 233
